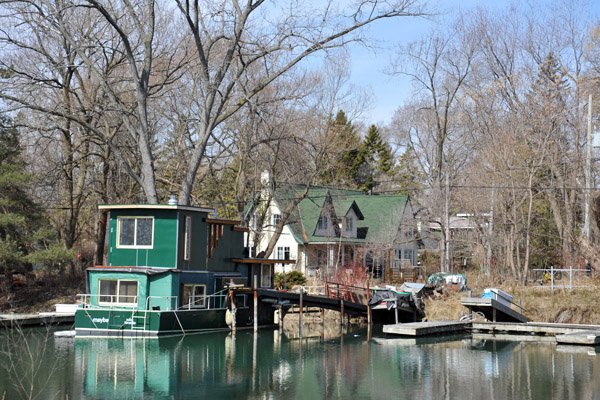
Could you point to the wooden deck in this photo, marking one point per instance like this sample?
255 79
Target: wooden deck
37 319
427 328
531 328
493 310
583 337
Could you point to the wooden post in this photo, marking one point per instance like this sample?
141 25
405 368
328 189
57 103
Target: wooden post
280 318
300 318
342 312
255 305
396 310
368 307
233 310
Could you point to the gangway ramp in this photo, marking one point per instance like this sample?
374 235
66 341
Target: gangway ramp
493 310
280 298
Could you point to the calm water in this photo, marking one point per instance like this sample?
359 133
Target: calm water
274 365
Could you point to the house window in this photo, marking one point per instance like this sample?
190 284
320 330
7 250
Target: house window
283 253
187 238
408 255
193 296
135 232
265 275
251 251
322 223
117 292
276 219
349 224
321 257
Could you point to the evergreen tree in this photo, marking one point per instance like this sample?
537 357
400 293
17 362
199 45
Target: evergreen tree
345 144
23 238
373 161
407 176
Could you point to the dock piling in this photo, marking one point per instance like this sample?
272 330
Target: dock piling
300 319
255 304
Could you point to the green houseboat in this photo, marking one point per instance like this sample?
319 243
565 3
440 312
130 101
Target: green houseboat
172 269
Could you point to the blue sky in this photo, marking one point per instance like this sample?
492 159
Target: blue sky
368 65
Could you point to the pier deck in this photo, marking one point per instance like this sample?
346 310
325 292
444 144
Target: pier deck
583 337
37 319
493 310
532 328
427 328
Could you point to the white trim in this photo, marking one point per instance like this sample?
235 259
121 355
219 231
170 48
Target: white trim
117 295
134 246
191 304
151 207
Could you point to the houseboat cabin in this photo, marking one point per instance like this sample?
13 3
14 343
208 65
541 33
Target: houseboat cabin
172 269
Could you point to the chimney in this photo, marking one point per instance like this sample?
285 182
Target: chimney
173 200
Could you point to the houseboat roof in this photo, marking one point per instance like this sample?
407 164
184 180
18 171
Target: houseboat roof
152 207
139 270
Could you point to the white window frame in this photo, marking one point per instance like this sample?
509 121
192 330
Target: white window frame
134 246
276 219
187 238
117 296
192 299
349 224
263 275
282 251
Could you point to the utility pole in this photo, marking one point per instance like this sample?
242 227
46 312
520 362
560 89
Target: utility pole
588 171
447 233
490 234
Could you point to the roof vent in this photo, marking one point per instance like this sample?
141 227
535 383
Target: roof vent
173 200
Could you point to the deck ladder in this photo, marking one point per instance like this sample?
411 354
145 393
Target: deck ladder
139 321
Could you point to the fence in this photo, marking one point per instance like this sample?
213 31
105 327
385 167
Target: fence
553 274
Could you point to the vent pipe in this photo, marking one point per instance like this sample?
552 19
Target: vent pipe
173 200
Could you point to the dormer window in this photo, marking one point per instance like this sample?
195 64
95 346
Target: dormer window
276 219
322 223
349 221
135 232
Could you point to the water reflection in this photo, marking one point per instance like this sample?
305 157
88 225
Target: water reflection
274 364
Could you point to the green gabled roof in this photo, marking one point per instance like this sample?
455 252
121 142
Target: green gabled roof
381 214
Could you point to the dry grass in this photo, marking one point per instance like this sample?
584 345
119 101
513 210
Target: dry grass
579 306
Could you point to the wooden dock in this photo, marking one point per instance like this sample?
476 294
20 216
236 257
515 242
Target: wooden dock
531 328
591 337
427 328
493 310
37 319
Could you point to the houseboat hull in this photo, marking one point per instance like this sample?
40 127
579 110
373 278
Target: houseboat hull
155 323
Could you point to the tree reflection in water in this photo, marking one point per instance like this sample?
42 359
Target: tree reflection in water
320 365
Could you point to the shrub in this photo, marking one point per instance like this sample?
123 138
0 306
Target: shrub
292 278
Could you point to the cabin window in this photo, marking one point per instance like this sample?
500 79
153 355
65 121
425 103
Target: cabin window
117 292
193 296
322 223
135 232
276 219
187 238
265 275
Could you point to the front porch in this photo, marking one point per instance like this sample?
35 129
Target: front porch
383 263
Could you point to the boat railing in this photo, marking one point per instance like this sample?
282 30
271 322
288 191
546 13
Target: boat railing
107 301
155 303
207 302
